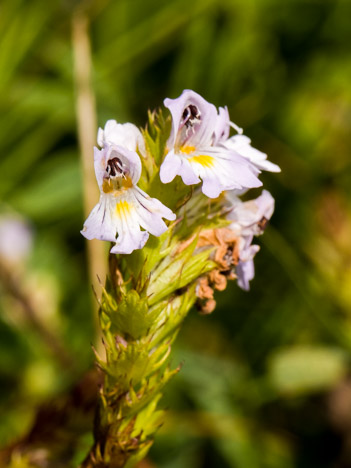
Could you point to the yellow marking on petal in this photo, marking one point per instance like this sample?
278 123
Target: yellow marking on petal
116 186
122 208
127 183
107 186
187 149
203 159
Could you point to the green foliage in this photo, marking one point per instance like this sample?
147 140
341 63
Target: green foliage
132 317
302 369
157 134
175 273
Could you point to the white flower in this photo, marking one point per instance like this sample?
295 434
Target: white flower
123 207
16 239
249 219
196 150
126 135
245 269
242 145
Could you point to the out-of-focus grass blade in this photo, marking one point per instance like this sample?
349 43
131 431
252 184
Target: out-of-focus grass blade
28 151
20 35
28 104
55 191
139 43
303 369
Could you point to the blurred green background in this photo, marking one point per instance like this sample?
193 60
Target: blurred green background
266 378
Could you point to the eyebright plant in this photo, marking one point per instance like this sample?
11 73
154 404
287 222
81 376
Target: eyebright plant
201 236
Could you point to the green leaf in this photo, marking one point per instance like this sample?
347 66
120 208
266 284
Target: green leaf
131 317
302 369
173 313
134 363
179 272
140 263
157 134
131 365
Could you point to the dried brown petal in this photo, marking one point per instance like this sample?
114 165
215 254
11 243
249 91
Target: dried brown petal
208 237
208 307
218 280
183 245
221 257
203 289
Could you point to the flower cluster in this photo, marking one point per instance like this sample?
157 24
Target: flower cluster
204 236
199 150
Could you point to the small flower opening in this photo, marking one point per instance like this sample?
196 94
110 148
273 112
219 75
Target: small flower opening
125 214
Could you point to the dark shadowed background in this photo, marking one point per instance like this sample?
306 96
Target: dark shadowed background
266 378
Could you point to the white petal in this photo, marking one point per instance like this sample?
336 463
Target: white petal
16 238
187 173
130 237
211 188
245 272
152 222
220 171
100 163
120 219
170 167
246 216
267 166
242 145
177 164
100 137
153 205
130 241
100 224
265 203
150 213
222 127
126 135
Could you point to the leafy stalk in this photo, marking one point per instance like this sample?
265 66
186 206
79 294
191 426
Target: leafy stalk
147 296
